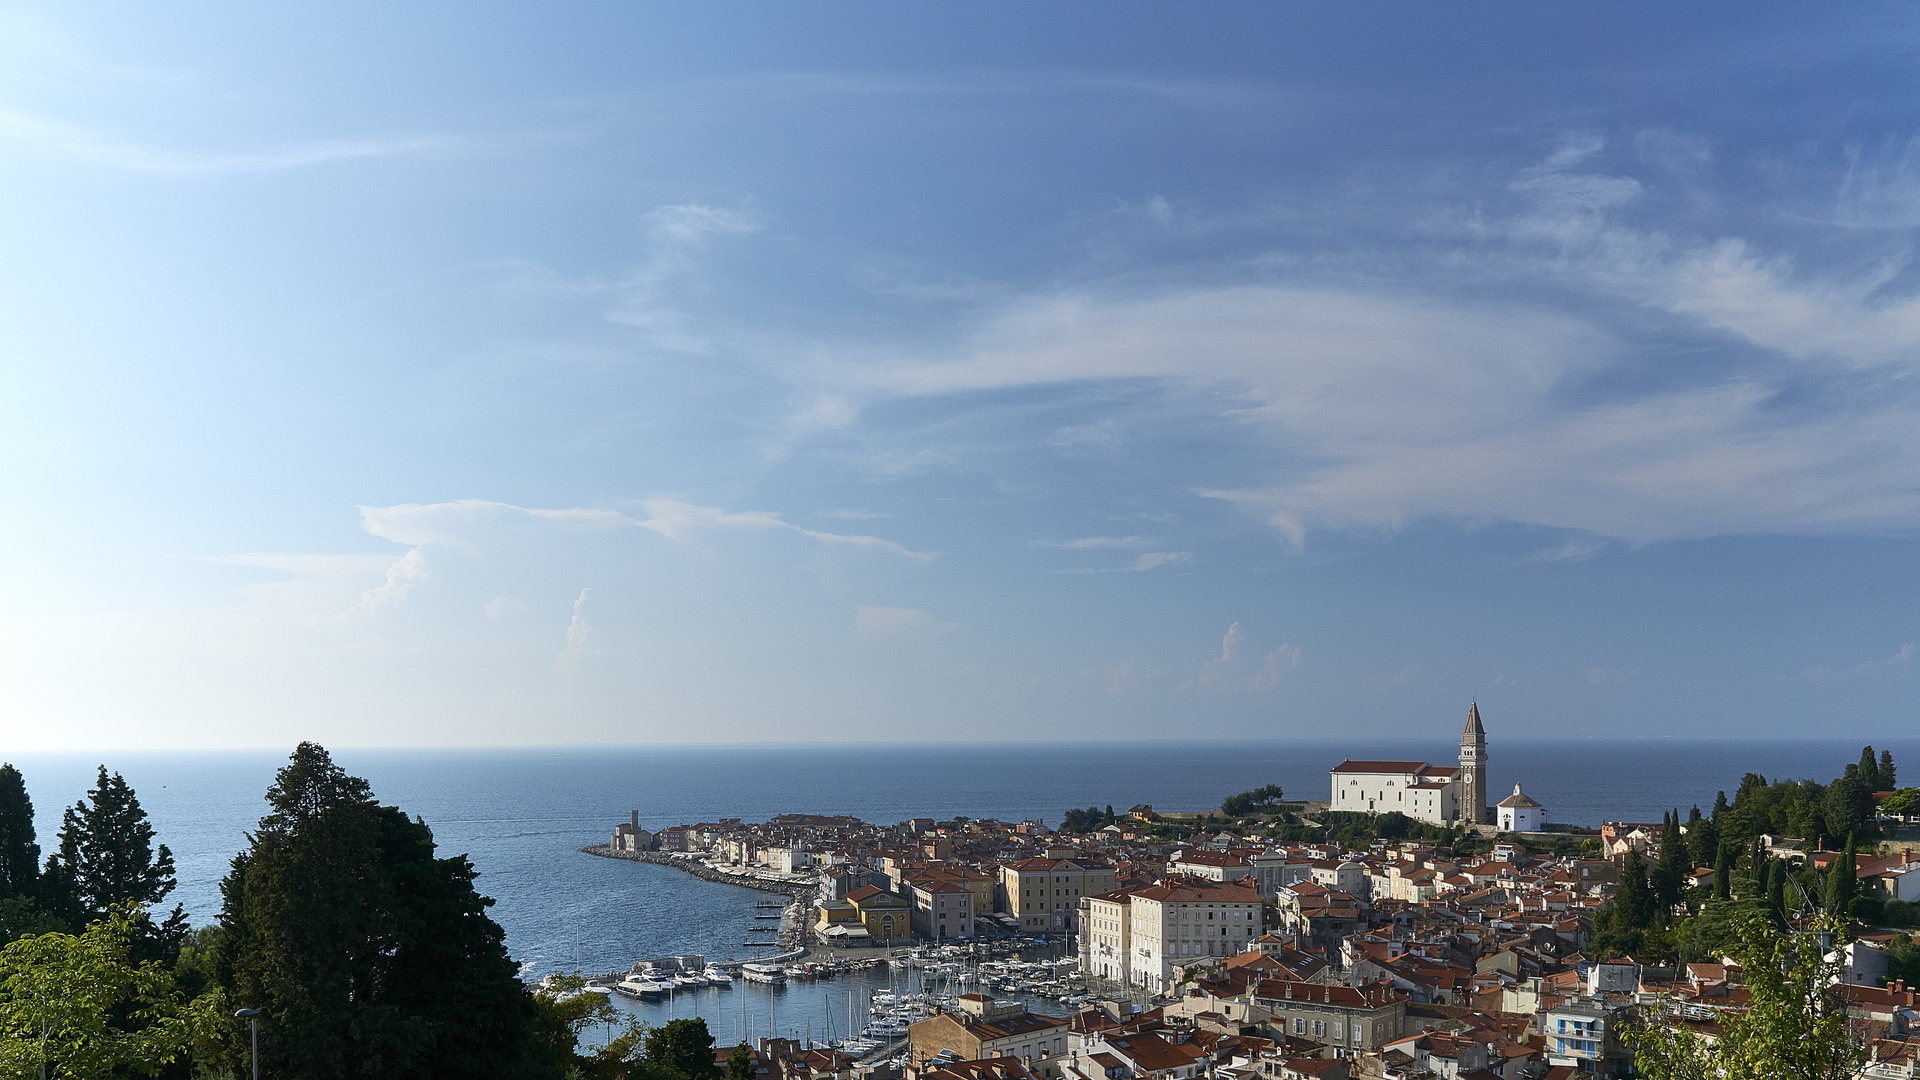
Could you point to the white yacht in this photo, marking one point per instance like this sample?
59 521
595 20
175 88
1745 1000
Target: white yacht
718 976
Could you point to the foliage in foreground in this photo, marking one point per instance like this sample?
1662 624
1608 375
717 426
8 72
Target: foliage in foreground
1795 1029
80 1007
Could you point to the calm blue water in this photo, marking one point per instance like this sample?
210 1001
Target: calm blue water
522 814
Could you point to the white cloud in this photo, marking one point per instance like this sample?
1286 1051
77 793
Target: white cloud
680 521
1571 551
72 141
406 572
1905 655
1275 665
1220 667
1148 560
1224 671
894 622
576 650
676 237
1087 542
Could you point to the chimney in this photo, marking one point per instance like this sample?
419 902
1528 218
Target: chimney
636 820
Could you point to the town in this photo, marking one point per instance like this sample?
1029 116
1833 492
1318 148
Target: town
1402 929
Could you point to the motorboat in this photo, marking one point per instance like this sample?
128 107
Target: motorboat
635 986
718 976
763 973
689 981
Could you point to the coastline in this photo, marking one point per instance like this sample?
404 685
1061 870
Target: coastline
700 870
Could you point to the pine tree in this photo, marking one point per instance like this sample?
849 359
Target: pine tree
19 854
366 955
107 859
1720 806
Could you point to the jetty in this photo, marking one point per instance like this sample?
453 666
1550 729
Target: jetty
702 870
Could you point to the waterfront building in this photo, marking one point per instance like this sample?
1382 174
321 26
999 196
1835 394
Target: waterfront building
887 917
1105 936
1519 813
1435 794
1043 894
630 838
981 1027
942 909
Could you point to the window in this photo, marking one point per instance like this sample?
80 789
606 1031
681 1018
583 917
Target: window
1299 1027
1319 1028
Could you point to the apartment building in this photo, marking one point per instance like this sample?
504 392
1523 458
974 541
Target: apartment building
1043 894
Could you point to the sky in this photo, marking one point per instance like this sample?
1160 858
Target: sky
490 375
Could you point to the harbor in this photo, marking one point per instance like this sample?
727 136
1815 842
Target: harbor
859 1005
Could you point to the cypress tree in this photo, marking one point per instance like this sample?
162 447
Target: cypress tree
1722 871
1889 779
1720 805
1842 886
1777 891
1870 769
1669 873
19 854
366 955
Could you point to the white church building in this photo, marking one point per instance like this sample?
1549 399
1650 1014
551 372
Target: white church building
1435 794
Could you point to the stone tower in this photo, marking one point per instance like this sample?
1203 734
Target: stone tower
1473 769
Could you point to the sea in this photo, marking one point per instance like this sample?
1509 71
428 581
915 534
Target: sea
522 814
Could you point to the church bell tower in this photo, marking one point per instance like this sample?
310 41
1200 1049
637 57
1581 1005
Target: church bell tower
1473 769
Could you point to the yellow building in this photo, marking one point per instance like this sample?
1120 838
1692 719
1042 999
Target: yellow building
887 917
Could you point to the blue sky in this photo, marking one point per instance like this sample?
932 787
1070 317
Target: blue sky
479 374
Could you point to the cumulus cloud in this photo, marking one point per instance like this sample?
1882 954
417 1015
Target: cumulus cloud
576 650
1229 669
406 572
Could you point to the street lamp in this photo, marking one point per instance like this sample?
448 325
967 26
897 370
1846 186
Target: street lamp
252 1017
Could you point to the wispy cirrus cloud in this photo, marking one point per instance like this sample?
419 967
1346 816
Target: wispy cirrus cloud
78 143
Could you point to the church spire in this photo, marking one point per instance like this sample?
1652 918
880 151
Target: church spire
1474 732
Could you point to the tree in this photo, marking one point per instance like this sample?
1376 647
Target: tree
19 854
107 860
1246 802
80 1007
1670 872
566 1012
1889 777
1794 1029
1904 801
679 1050
740 1063
365 954
1849 806
1722 875
1720 806
1843 888
1869 773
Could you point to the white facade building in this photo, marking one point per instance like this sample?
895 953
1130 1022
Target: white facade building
1519 813
1138 936
1435 794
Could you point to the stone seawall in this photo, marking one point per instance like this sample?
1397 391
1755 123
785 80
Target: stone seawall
700 870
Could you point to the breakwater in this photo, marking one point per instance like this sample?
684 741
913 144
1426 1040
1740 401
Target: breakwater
701 870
